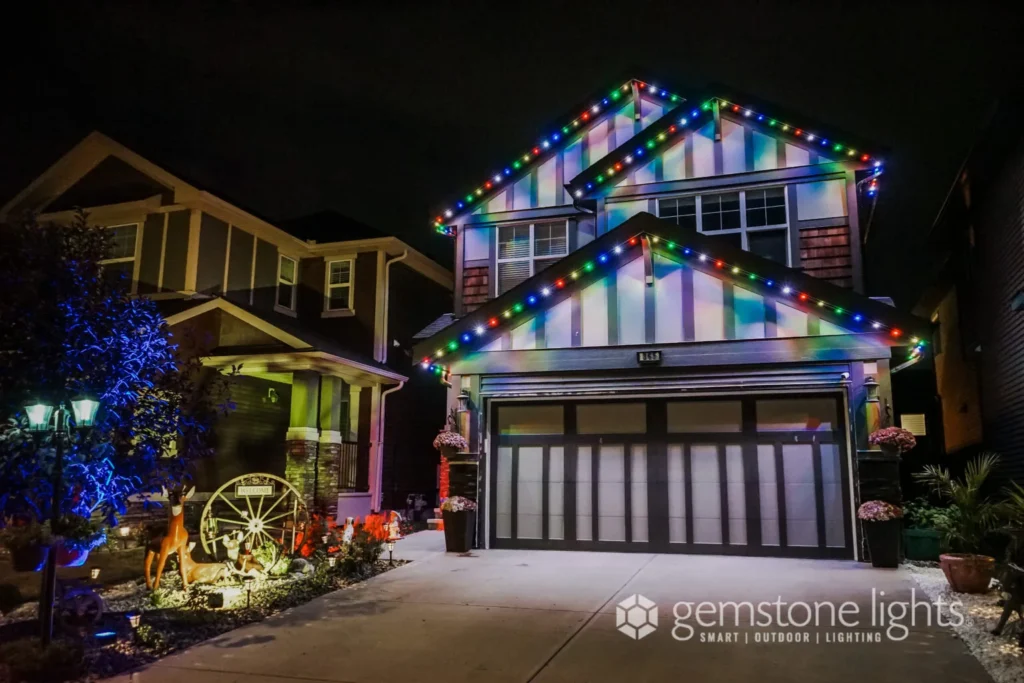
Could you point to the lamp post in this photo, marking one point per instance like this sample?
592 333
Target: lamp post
391 551
39 413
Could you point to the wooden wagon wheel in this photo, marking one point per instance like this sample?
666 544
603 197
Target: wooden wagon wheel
262 507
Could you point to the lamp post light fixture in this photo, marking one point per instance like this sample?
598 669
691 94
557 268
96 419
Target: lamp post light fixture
391 551
332 560
134 618
324 538
94 573
47 417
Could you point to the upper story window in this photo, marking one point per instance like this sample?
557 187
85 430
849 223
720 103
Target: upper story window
120 261
526 249
755 220
287 276
339 285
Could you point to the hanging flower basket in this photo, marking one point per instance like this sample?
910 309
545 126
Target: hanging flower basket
450 443
892 440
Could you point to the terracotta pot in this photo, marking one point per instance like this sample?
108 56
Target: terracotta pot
968 573
28 558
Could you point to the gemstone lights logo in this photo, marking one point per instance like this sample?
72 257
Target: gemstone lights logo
636 617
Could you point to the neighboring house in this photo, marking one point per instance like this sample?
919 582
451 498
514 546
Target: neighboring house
975 298
319 317
660 339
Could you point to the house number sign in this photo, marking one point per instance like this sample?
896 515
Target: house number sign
648 357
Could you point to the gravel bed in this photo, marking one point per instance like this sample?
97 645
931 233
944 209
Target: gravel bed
1000 655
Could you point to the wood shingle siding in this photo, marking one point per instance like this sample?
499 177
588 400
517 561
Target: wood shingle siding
475 288
826 253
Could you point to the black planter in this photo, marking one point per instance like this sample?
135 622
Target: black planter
884 542
458 530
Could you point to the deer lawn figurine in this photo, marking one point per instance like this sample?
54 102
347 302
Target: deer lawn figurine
175 541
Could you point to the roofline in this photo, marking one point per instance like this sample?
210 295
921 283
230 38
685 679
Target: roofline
298 345
96 146
509 309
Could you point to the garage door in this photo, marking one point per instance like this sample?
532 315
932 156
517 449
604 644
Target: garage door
747 475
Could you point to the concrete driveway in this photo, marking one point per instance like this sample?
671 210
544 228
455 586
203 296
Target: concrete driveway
550 616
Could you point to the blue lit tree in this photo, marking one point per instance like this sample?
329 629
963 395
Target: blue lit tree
66 327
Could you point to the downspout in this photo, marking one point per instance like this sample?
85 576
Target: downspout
379 455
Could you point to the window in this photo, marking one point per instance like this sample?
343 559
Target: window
526 249
339 285
120 261
766 207
681 211
286 276
720 212
755 220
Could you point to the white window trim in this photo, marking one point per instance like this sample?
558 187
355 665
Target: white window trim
350 309
744 229
531 258
295 285
135 258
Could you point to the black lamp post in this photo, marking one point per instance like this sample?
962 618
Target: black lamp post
39 419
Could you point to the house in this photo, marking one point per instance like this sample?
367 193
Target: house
975 299
318 313
661 340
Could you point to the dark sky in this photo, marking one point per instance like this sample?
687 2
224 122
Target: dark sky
383 111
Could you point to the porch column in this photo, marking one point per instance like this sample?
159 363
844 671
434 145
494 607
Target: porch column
328 462
376 449
353 413
302 437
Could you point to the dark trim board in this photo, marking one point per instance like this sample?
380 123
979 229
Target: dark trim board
657 440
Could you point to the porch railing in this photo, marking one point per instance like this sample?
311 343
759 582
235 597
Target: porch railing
348 466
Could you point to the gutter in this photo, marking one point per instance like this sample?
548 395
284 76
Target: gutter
377 494
387 303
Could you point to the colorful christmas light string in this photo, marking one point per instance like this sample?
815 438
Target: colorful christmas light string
478 331
546 145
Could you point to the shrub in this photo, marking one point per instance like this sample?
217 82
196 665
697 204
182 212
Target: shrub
17 534
27 660
920 514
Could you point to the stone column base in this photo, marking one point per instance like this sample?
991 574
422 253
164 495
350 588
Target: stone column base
328 466
300 468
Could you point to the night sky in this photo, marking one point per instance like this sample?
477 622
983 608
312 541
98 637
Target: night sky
382 114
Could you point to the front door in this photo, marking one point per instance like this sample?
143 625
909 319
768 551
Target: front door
735 475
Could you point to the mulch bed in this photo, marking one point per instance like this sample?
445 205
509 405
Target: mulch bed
172 619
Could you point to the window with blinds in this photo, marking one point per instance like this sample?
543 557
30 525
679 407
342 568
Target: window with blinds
526 249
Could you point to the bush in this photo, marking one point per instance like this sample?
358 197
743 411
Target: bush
27 660
920 514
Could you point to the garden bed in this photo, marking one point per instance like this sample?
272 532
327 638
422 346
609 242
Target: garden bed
172 619
1000 655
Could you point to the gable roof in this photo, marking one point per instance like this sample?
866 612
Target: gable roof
561 133
853 311
593 108
290 334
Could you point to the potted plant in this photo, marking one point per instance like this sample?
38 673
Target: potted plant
892 440
27 542
78 536
922 538
449 442
882 525
970 518
459 515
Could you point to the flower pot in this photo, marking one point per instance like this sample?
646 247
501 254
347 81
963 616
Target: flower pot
459 528
884 543
921 544
69 557
890 450
28 558
968 573
448 452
